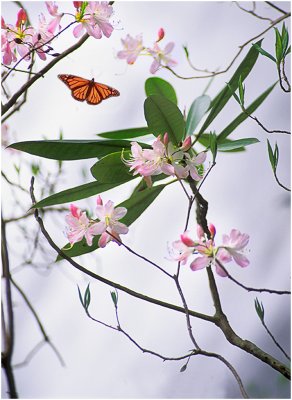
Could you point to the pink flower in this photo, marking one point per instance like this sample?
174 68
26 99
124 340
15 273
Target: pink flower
161 57
182 249
16 38
94 19
53 10
193 162
80 226
132 48
43 35
232 247
208 253
109 222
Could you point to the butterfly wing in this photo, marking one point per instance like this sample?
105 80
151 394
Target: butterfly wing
80 87
84 89
99 92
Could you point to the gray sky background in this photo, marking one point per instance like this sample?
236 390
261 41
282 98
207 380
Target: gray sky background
241 192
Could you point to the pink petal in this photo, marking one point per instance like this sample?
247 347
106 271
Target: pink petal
77 31
154 66
220 271
200 263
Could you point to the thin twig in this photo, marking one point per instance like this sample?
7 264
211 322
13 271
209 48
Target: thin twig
252 12
250 289
14 98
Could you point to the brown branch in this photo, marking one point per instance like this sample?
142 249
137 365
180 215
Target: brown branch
250 289
277 21
14 98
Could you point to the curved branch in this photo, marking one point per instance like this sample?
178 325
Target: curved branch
14 98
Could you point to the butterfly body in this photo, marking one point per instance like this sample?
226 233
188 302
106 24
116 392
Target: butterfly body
85 89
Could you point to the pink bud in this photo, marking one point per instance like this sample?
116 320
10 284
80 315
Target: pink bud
99 201
3 25
160 35
212 230
77 4
187 240
187 143
74 211
200 232
21 17
165 139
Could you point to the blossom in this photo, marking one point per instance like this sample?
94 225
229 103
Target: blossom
43 35
208 253
94 19
164 158
109 225
132 48
52 8
161 34
232 247
192 164
161 57
182 249
16 38
79 226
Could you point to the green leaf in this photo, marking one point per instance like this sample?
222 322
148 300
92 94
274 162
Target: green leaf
80 297
114 298
264 52
213 144
183 368
198 109
234 94
226 145
259 309
111 169
87 298
73 149
241 90
76 193
126 133
271 155
160 86
243 116
162 116
278 46
222 98
135 205
285 39
186 51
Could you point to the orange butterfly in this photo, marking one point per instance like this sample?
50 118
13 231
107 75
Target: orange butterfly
85 89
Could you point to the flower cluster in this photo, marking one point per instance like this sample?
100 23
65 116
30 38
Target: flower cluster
165 158
231 249
108 226
22 39
133 47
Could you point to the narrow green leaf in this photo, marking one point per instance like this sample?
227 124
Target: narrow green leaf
186 51
243 116
259 309
159 86
278 46
162 116
205 141
213 145
87 298
111 169
222 98
183 368
73 149
225 145
80 297
114 298
285 40
76 193
276 155
241 91
271 155
234 94
135 205
197 110
264 52
126 133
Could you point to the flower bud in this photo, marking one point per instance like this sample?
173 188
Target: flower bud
160 35
187 240
187 143
165 139
99 201
77 4
212 230
21 17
